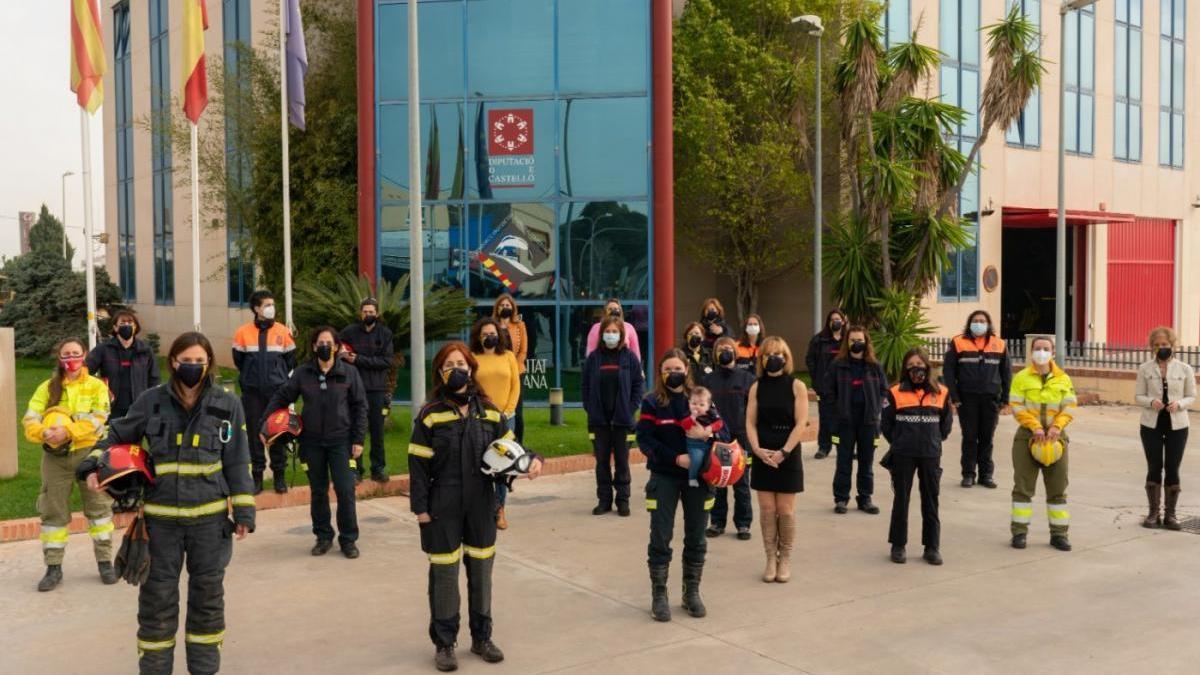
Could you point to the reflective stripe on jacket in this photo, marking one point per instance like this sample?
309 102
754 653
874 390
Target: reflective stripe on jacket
85 400
916 421
977 366
1041 401
263 356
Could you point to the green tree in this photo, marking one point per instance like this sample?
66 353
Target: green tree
47 235
49 300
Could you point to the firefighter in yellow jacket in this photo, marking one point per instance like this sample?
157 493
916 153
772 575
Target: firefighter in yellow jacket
66 416
1041 397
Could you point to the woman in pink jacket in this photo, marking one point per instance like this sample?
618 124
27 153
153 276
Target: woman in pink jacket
613 308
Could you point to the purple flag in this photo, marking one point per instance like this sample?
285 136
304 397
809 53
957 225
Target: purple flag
297 63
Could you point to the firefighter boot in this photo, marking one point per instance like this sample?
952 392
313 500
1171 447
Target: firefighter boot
691 589
660 606
108 575
1154 496
52 579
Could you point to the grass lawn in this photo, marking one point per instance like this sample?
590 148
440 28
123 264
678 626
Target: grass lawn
18 495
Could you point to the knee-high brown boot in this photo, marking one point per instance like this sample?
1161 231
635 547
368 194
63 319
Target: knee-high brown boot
1154 496
1169 521
787 537
770 535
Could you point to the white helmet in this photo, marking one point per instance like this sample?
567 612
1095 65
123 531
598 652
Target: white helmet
506 458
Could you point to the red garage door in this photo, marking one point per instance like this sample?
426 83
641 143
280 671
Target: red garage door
1141 278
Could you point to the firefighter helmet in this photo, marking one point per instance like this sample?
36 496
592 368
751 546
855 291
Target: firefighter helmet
282 425
723 465
506 458
1047 451
124 471
57 417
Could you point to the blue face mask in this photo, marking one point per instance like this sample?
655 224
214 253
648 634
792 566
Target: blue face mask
611 340
978 328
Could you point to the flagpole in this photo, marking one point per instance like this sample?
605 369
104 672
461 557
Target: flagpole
287 174
90 269
195 228
416 236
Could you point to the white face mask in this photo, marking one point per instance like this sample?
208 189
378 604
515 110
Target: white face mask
1041 356
268 312
752 330
611 340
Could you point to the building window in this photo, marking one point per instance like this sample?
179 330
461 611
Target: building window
239 263
1127 99
123 107
1026 131
160 152
895 23
1080 68
1170 83
959 79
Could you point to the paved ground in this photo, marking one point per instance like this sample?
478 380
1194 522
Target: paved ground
572 594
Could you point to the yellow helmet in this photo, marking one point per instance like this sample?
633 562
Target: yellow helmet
1046 452
57 417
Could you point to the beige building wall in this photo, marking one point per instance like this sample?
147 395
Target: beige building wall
218 319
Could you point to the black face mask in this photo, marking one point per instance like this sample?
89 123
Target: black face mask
675 380
125 332
918 374
858 347
694 341
615 311
835 326
457 378
725 357
1163 353
505 312
370 320
711 314
324 352
190 374
774 363
490 341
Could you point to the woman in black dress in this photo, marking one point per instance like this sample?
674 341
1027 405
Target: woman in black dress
776 414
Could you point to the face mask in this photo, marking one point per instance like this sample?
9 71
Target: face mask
324 352
710 314
611 340
918 374
505 312
835 325
774 363
1041 356
725 357
615 311
978 328
490 341
1164 353
125 331
752 330
370 320
858 347
268 312
674 380
456 378
694 341
190 374
73 364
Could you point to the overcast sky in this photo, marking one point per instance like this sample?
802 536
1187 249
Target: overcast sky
39 122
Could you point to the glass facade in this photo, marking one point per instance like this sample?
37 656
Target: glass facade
239 264
959 81
1080 69
535 173
1127 100
160 152
895 21
1026 131
1173 16
123 113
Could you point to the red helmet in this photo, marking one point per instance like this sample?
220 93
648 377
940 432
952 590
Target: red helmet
124 471
723 465
282 425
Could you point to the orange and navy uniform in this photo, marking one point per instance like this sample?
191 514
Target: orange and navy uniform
916 420
263 355
977 366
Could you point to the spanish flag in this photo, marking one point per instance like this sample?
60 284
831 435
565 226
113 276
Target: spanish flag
87 55
195 80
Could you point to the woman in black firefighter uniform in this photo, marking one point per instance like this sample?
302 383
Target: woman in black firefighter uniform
661 437
730 387
125 362
915 421
335 425
196 433
856 384
978 375
454 501
823 348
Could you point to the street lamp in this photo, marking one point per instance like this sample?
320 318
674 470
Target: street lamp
64 212
1060 265
811 25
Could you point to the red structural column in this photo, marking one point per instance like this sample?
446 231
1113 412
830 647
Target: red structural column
664 180
367 245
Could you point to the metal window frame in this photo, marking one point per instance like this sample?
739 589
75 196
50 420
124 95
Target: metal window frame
1129 101
1078 89
236 169
1176 37
960 138
123 115
1019 126
885 20
161 157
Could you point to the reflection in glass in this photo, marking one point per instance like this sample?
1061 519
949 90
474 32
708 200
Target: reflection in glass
605 252
604 150
443 254
511 250
510 44
577 321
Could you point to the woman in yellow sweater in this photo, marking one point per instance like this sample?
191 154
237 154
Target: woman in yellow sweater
499 377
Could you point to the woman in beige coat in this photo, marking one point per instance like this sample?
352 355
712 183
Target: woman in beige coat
1166 387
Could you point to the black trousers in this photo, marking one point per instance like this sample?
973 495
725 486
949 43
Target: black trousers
1164 451
828 420
743 510
856 440
205 547
929 473
463 528
254 402
610 445
379 406
978 416
322 460
663 495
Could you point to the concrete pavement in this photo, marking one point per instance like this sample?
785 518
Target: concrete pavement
571 593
